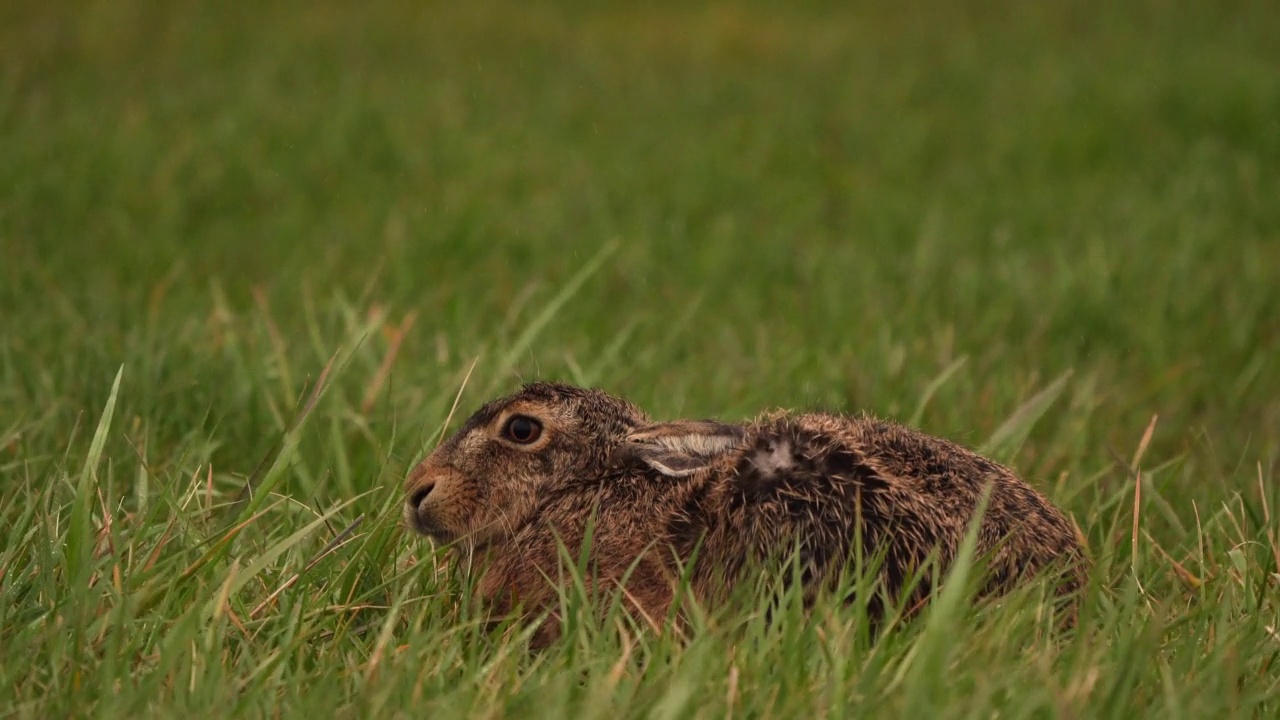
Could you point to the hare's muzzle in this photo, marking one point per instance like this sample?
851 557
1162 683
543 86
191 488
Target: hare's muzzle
422 509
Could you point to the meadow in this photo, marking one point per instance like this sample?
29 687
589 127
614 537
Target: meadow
253 253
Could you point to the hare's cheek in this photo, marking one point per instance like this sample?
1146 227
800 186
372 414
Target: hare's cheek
479 507
452 505
494 510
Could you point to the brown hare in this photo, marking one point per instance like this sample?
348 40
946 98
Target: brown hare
532 470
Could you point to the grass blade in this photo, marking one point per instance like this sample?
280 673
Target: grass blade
272 466
260 563
1015 429
543 318
80 532
933 387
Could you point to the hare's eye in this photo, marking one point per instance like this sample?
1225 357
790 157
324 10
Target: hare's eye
523 429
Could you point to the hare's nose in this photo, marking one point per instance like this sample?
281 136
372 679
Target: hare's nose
418 485
419 495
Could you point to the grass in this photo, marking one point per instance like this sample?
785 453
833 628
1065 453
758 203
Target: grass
251 254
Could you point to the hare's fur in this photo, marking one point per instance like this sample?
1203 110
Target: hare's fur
737 496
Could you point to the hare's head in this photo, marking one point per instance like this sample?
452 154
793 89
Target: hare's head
484 481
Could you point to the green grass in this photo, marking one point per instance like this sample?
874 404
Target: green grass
250 251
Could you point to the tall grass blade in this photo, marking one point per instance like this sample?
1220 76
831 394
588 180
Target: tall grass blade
540 321
79 547
933 387
1015 429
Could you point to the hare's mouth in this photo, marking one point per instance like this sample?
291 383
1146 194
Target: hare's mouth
428 526
435 532
462 545
473 543
470 542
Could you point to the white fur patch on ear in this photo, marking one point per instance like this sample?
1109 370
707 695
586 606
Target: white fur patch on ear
657 464
697 444
683 447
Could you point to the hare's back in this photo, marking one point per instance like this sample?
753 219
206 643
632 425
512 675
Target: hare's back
943 474
921 462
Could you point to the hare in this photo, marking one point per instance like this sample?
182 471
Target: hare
532 470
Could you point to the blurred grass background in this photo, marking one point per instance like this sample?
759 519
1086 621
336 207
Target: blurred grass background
926 210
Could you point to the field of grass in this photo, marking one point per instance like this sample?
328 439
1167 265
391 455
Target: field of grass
250 251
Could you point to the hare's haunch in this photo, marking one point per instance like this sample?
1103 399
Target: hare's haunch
530 471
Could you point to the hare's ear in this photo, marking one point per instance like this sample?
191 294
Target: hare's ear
679 448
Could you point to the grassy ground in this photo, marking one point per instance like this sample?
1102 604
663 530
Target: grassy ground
286 230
